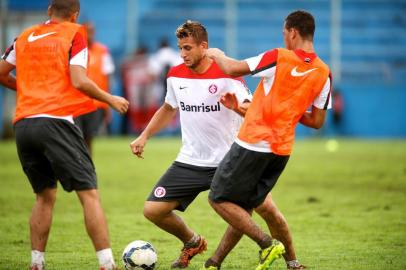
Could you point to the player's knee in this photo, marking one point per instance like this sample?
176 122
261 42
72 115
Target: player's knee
47 197
151 212
89 196
270 213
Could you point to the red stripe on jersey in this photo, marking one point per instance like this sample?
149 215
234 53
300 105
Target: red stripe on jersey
214 72
8 50
307 57
78 44
330 76
269 58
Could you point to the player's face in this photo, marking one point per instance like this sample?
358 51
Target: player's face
191 52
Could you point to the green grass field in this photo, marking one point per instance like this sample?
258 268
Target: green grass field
346 209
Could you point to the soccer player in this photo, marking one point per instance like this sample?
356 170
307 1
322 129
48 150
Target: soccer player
208 129
99 69
52 88
292 80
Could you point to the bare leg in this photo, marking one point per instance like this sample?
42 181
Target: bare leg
95 221
242 221
277 226
230 239
41 219
162 215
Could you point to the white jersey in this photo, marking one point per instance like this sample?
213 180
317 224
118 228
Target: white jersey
208 128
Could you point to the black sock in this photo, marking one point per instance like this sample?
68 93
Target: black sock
265 242
210 262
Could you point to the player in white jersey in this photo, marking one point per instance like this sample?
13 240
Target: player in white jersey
194 88
202 94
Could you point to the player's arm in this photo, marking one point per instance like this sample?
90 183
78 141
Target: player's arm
77 67
230 101
314 119
7 64
160 120
81 82
227 64
6 78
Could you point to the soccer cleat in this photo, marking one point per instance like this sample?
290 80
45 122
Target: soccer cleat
297 267
189 251
209 268
104 268
37 267
268 255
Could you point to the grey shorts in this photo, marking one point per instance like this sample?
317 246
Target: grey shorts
182 182
54 149
245 177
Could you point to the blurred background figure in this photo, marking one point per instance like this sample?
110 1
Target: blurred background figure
338 107
100 67
138 89
159 65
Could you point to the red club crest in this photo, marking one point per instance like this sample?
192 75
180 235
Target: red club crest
160 192
213 89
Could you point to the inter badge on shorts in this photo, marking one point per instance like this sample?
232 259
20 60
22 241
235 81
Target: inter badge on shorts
159 192
213 88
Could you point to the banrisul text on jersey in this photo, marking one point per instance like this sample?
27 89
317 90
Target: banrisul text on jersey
200 108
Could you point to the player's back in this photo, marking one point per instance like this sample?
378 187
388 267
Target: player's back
42 65
275 112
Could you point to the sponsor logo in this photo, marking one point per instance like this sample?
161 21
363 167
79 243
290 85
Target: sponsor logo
295 73
32 38
213 89
160 192
200 108
182 87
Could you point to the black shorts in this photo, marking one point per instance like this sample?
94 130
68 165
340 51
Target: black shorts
182 182
245 177
90 123
53 149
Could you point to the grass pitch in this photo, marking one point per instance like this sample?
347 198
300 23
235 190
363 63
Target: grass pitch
346 208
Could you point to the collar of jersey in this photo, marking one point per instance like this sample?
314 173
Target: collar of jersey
302 54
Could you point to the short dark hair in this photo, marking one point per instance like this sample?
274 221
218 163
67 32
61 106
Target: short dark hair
192 29
303 22
64 8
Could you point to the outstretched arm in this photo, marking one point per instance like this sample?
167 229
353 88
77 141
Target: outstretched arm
160 120
6 78
314 119
227 64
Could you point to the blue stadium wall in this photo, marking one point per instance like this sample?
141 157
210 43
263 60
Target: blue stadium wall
373 102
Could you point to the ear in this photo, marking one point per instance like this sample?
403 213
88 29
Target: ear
74 17
295 33
204 44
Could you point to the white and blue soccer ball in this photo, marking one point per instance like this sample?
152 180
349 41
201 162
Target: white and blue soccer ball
139 255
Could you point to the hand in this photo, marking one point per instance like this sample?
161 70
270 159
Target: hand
137 146
119 104
229 100
214 53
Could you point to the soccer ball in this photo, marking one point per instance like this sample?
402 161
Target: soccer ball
139 255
